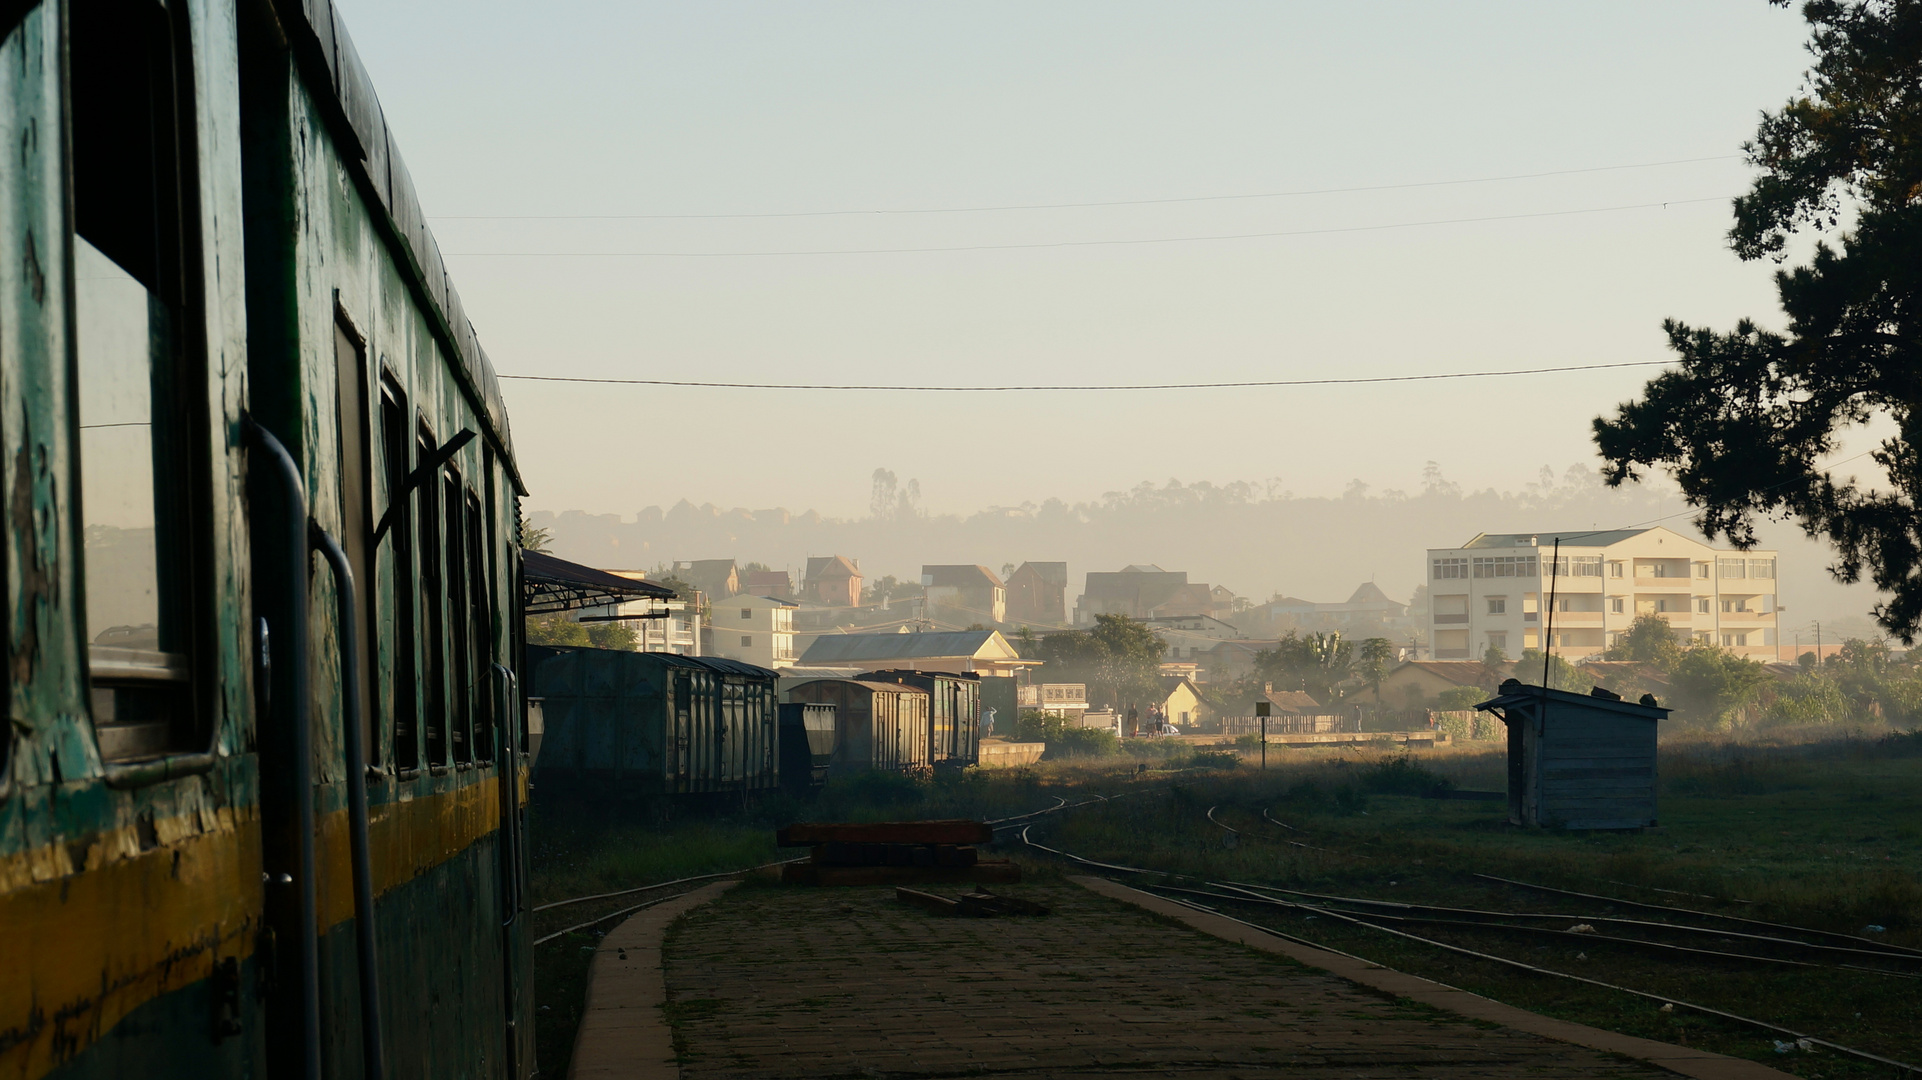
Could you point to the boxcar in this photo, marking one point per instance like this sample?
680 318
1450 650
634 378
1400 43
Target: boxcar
807 744
629 724
880 725
253 822
954 712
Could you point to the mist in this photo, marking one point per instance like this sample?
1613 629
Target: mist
1257 538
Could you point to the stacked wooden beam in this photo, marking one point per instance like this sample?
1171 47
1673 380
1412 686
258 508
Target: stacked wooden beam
893 852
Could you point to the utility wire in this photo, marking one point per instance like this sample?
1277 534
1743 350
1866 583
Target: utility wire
1078 205
1108 386
1135 242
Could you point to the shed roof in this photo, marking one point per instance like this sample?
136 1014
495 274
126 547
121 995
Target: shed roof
831 566
1516 694
553 585
1053 573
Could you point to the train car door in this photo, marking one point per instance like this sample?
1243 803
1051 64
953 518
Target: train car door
680 738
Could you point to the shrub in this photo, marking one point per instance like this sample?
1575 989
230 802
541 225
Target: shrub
1458 698
1215 759
1403 775
1071 742
879 788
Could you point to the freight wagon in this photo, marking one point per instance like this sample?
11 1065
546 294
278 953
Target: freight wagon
882 725
631 724
954 712
807 745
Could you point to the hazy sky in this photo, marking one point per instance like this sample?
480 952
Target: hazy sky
686 110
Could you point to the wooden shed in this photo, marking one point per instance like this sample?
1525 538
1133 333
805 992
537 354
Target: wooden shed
1578 761
880 725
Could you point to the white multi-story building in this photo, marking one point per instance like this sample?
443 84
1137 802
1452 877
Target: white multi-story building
752 629
1494 590
670 626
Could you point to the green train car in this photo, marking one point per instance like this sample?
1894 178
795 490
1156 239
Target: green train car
262 790
626 725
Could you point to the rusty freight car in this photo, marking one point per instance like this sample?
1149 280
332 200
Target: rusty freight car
627 724
954 712
881 725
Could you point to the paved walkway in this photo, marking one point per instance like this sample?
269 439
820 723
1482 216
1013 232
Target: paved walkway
767 982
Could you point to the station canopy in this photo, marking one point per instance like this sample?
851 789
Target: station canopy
553 585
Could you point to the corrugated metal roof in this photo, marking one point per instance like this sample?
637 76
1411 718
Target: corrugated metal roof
553 585
1572 538
843 648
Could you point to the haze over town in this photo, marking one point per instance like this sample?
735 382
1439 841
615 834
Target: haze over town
674 144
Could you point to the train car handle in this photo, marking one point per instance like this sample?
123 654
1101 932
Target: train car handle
348 604
280 469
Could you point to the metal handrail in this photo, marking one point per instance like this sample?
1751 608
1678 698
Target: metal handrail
347 604
299 558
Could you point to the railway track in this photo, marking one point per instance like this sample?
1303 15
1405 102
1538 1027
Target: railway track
1781 946
684 884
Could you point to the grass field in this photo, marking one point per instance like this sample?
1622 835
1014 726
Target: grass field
1810 831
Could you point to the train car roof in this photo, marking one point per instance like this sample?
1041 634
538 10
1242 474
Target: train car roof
736 667
887 687
327 56
892 672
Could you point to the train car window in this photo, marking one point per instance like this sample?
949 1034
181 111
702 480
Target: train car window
433 639
400 689
356 522
460 716
133 179
480 635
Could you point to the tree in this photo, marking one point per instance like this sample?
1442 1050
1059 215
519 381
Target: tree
533 539
1562 675
1494 656
1376 654
1648 640
1711 682
1745 422
1119 656
1315 663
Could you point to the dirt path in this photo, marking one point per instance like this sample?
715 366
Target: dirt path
773 982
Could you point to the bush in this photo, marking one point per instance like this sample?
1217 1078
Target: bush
1459 698
1215 759
1403 775
1309 797
879 788
1250 741
1073 742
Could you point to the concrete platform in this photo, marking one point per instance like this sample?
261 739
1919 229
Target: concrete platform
790 982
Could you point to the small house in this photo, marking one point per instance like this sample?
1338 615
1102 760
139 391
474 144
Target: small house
1578 761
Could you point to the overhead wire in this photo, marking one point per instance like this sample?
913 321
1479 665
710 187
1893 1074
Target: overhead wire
1081 205
1084 387
1053 244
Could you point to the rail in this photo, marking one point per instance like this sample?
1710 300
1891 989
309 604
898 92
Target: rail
299 560
1239 893
347 607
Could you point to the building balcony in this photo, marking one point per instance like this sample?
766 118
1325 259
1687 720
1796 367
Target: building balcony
1665 584
1578 618
1448 620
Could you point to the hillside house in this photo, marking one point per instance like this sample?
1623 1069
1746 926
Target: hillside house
1142 592
1037 595
833 580
775 583
718 578
963 595
984 652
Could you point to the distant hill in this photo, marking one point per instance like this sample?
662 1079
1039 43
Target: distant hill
1255 540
